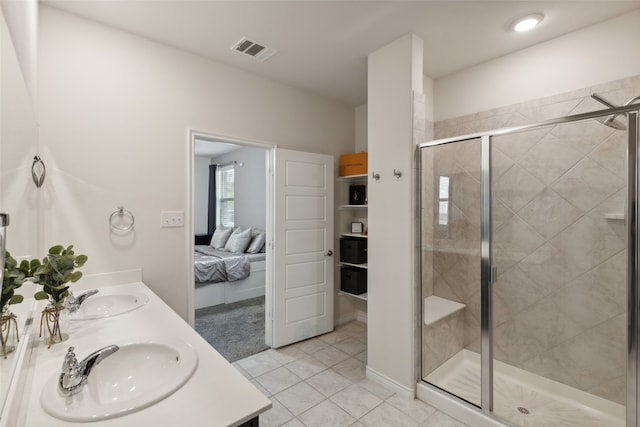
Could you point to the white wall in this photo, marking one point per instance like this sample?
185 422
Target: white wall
361 129
600 53
428 89
394 72
201 195
19 197
22 21
115 110
250 185
361 114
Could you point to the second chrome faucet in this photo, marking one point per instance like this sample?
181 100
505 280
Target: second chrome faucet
75 374
73 303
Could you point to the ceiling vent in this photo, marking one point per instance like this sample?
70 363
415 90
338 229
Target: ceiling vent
254 50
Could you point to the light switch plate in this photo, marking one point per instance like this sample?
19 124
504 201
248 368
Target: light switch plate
171 219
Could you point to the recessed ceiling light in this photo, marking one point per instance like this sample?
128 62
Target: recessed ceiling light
528 22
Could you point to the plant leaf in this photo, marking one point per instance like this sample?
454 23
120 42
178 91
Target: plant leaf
10 262
80 260
56 250
34 265
16 299
75 276
66 263
40 295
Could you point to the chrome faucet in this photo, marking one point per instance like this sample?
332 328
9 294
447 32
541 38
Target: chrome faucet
74 375
74 302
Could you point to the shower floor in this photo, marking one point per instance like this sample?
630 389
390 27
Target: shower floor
524 398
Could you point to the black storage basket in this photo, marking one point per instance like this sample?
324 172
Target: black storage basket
353 250
353 280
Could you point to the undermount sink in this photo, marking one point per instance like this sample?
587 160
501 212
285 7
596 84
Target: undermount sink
107 305
136 376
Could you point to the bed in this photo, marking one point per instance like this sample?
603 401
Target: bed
223 277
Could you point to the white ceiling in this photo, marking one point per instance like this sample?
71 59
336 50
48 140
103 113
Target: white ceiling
323 45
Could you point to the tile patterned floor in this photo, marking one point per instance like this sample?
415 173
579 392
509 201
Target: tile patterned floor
321 382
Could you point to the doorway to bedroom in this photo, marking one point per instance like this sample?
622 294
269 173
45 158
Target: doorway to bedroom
294 270
230 217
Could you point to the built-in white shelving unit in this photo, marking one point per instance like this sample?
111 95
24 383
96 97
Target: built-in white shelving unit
364 236
361 296
348 264
351 178
356 213
344 207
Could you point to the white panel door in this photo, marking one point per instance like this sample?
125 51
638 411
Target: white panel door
303 262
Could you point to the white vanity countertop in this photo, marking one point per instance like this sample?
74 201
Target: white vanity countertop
216 395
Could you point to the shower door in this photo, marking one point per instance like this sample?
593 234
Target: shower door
529 271
560 294
451 255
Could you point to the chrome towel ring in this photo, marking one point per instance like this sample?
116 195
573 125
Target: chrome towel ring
121 212
38 171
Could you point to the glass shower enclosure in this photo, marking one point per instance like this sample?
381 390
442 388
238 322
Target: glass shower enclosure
530 255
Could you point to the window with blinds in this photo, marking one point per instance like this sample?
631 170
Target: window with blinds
443 211
225 194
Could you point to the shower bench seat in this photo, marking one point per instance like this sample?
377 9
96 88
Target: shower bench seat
436 308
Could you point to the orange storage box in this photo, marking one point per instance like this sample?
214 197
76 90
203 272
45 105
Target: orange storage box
353 164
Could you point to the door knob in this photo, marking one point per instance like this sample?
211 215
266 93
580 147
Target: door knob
329 252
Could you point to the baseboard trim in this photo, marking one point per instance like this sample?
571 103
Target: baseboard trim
345 318
402 390
361 316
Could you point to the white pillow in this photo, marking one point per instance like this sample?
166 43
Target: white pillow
257 243
239 240
220 237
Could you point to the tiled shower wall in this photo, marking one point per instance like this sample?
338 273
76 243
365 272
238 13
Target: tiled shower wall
558 239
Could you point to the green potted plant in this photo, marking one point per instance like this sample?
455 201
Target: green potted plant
13 277
55 273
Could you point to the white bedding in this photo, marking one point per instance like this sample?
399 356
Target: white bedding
215 265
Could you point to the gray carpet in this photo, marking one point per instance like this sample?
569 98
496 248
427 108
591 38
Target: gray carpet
235 330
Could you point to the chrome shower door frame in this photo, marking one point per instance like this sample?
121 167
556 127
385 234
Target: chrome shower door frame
488 273
633 264
486 269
